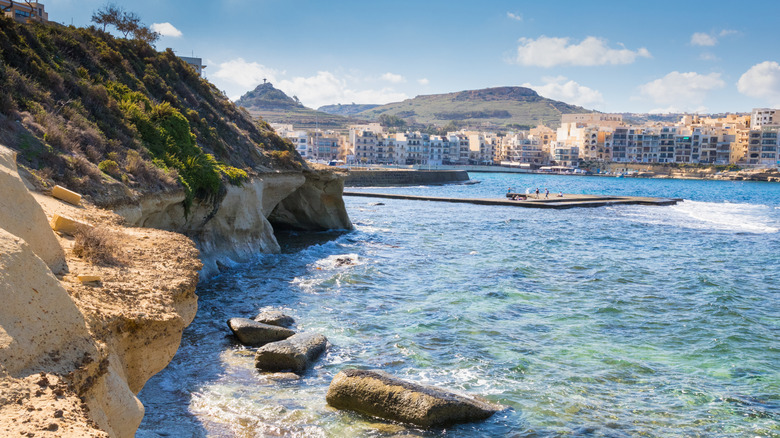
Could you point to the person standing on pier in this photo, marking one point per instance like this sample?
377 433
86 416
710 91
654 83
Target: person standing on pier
546 193
537 193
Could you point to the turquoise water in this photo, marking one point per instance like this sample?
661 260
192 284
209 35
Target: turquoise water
614 321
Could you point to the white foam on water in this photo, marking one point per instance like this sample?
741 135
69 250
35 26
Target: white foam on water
752 218
721 216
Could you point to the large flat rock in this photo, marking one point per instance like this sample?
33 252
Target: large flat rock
255 333
295 353
382 395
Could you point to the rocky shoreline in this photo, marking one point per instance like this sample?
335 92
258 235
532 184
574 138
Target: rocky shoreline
78 340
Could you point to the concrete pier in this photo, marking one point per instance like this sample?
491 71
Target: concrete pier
567 201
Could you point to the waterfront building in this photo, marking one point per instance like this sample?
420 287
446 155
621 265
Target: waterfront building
324 145
594 142
299 138
481 148
364 144
415 149
459 148
522 148
565 155
761 117
437 147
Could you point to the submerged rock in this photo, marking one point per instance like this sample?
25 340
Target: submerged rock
256 333
379 394
295 353
275 317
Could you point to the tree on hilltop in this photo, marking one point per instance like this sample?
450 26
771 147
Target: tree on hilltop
125 22
109 14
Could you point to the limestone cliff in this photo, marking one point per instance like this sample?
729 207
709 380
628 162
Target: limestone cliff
240 226
316 205
73 355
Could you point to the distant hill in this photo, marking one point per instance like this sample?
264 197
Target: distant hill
499 107
274 106
491 108
346 110
265 96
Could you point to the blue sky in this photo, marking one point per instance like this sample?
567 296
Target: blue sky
613 56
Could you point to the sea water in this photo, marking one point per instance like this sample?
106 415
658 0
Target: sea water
613 321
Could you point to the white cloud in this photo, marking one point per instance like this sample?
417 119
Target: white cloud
727 32
549 52
703 39
325 88
568 91
423 81
762 81
238 76
245 75
682 91
393 78
706 56
516 17
166 29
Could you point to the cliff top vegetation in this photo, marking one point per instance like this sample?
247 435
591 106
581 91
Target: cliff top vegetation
113 117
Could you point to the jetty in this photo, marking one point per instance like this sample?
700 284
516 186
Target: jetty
554 201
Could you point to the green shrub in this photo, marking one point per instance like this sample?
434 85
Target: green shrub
109 166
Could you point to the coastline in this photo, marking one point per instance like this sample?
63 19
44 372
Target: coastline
628 170
109 327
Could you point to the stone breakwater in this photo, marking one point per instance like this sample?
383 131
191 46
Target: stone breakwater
375 178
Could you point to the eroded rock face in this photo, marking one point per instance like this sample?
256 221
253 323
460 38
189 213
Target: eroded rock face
255 333
295 353
228 233
379 394
73 356
316 205
20 215
275 317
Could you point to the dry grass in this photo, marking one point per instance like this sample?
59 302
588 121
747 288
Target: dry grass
99 246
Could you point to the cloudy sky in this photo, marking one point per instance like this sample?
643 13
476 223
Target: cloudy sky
613 56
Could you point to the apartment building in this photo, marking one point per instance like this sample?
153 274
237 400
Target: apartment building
745 140
324 146
761 117
524 148
299 139
24 11
364 145
481 148
564 155
459 148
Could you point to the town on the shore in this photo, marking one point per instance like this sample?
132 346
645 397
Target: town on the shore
748 140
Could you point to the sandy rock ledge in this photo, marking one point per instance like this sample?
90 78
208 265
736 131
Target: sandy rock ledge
73 356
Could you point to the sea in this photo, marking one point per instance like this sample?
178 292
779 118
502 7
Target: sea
617 321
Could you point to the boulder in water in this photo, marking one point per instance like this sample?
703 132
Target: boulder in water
275 317
295 353
256 333
379 394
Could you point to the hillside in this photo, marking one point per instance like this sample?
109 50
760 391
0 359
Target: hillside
113 118
347 110
500 107
274 106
